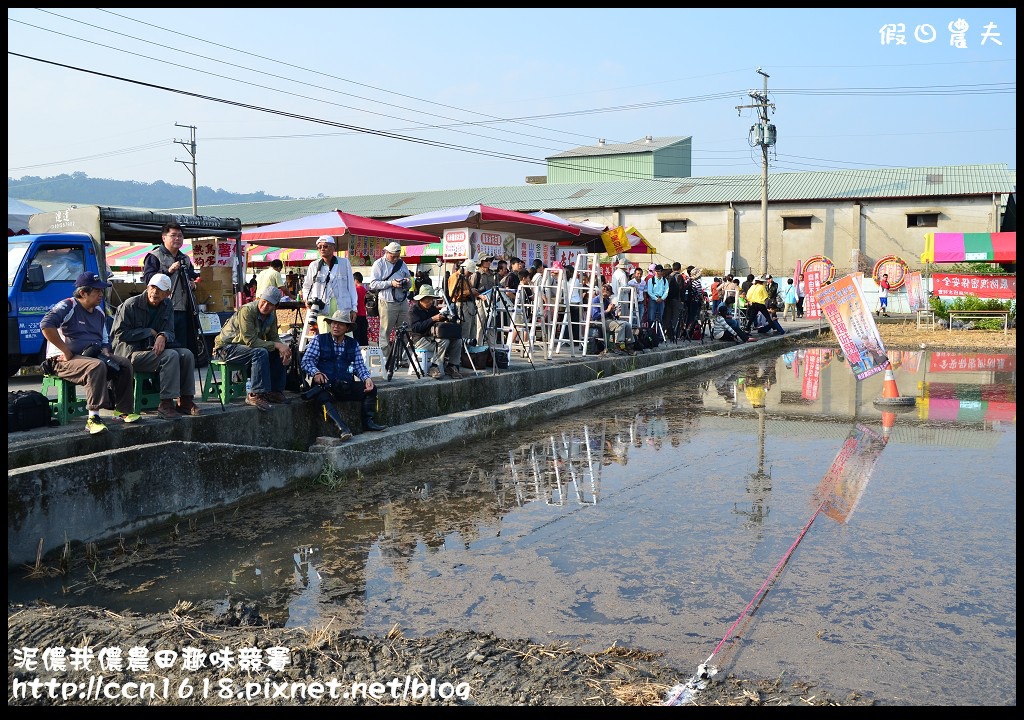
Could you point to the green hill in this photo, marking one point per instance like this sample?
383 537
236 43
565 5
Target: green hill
82 189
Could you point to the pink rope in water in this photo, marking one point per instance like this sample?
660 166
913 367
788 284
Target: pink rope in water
770 578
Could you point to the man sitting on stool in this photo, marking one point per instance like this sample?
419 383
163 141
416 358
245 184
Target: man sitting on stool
447 351
333 362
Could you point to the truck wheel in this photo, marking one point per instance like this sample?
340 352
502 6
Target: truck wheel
13 365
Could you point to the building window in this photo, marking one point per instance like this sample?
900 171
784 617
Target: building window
671 226
802 222
923 220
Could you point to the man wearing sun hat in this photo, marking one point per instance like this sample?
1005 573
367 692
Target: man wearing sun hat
329 284
336 371
391 279
143 332
441 351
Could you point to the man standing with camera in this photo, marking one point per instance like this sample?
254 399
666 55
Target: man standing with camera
78 350
169 260
336 371
143 332
329 285
391 279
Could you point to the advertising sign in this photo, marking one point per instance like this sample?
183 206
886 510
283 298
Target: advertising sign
1002 287
487 242
847 311
915 292
530 250
455 244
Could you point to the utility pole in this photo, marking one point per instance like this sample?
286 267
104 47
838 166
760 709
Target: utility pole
763 134
190 147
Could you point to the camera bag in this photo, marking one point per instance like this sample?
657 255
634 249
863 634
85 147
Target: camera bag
27 409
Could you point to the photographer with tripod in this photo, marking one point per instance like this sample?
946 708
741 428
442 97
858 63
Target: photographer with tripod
336 370
390 279
463 296
433 330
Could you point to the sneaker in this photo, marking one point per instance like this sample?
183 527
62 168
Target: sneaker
257 402
275 397
453 372
94 425
434 372
167 411
129 418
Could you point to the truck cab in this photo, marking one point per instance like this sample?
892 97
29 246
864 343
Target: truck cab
41 271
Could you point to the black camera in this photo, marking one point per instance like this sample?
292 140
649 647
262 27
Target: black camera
313 392
317 304
96 351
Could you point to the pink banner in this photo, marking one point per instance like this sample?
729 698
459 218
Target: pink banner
812 281
1003 287
847 311
915 292
812 374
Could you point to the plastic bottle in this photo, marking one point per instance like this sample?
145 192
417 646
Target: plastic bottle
248 386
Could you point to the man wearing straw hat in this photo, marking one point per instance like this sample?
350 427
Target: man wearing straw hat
336 371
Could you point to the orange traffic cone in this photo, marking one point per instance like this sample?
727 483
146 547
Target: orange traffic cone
889 390
888 421
891 394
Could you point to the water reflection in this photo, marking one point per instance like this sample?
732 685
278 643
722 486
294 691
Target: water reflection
650 521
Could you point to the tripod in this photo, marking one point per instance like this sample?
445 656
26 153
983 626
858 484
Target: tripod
202 354
295 381
500 304
403 344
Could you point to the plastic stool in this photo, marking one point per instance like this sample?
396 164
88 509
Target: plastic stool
373 358
146 393
66 405
227 388
422 356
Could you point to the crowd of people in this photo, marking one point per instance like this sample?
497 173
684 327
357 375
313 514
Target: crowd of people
151 333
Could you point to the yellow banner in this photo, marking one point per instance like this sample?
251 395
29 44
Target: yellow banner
615 240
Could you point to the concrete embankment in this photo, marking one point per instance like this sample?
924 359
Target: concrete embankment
65 485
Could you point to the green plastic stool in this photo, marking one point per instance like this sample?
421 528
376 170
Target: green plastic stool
66 405
146 392
227 388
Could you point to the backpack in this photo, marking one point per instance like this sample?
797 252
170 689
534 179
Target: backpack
27 409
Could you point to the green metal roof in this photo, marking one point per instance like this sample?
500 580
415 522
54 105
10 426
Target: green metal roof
916 182
644 144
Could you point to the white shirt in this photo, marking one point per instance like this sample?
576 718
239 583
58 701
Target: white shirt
337 284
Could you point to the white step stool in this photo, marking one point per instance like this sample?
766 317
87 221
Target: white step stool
373 358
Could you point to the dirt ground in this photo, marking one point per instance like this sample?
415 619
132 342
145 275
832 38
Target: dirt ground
466 668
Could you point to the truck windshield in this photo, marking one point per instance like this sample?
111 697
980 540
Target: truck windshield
15 253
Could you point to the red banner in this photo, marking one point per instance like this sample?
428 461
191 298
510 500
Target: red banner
1002 287
812 283
812 374
970 362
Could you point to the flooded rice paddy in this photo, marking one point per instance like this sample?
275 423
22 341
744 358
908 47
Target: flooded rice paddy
767 514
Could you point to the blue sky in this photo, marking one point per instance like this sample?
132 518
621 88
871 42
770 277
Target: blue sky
483 96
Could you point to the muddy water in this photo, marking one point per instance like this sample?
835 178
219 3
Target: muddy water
809 537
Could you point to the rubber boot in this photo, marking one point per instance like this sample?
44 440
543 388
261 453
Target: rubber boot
344 433
369 412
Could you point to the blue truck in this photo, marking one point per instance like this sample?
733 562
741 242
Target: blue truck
42 266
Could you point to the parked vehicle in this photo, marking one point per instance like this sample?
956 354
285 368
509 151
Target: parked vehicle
42 266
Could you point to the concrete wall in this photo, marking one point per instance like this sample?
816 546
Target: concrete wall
854 234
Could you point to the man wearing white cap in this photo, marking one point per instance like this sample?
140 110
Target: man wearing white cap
329 284
143 332
391 279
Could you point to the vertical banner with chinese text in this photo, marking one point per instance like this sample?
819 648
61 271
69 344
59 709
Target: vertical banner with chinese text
915 292
847 311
